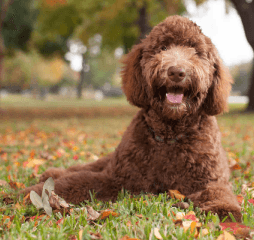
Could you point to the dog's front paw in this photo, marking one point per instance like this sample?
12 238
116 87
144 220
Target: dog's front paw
37 188
55 173
223 211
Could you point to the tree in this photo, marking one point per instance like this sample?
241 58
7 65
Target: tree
245 9
4 5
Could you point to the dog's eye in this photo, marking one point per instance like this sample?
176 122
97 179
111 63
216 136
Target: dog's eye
164 48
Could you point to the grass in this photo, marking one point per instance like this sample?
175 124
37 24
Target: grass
73 140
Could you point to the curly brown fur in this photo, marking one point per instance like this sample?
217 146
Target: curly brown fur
178 79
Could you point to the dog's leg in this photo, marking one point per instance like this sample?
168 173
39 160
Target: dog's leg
218 198
96 166
76 187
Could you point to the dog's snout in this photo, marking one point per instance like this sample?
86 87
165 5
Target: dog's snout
176 74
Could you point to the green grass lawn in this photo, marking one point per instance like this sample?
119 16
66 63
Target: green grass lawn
74 140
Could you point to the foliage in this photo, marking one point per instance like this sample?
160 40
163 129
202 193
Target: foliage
241 74
25 69
102 68
29 147
19 24
17 71
115 20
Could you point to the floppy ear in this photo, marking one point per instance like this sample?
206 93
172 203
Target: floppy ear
216 99
133 82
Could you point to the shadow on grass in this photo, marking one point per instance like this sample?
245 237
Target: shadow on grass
91 112
57 113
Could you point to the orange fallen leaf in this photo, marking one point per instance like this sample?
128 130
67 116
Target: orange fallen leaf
236 167
105 214
128 238
129 224
176 194
16 185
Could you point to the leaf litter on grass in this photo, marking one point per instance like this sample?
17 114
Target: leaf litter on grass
58 147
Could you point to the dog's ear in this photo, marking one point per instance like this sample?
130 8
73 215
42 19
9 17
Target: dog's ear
216 99
133 82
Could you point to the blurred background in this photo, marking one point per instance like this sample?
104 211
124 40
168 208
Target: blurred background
67 52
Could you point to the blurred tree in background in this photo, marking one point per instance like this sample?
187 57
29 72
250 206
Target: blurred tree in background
45 27
245 9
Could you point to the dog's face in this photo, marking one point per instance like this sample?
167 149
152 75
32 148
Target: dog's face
176 71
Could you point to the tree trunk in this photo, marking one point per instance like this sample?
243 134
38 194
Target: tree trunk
81 78
3 11
246 12
143 22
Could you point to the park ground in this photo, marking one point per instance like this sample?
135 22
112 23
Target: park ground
35 135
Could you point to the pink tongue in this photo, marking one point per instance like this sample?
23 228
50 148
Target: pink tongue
175 98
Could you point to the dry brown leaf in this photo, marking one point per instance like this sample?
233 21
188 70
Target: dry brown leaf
243 233
182 205
8 200
95 235
226 236
26 199
157 233
92 214
3 183
54 201
16 185
176 194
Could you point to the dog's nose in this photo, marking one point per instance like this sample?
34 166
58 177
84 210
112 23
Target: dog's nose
176 74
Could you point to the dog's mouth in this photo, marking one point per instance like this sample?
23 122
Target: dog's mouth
174 95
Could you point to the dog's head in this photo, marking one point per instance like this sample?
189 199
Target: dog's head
176 70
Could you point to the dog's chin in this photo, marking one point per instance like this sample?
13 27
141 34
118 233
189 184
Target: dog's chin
174 110
172 103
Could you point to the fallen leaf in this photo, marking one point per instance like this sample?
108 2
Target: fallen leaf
26 199
157 233
236 167
129 224
48 187
191 217
182 205
243 233
33 162
105 214
92 214
251 201
240 199
139 215
36 200
226 236
95 235
176 194
16 185
80 233
180 215
232 226
8 200
128 238
3 183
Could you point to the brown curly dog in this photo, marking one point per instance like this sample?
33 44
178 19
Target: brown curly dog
177 78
